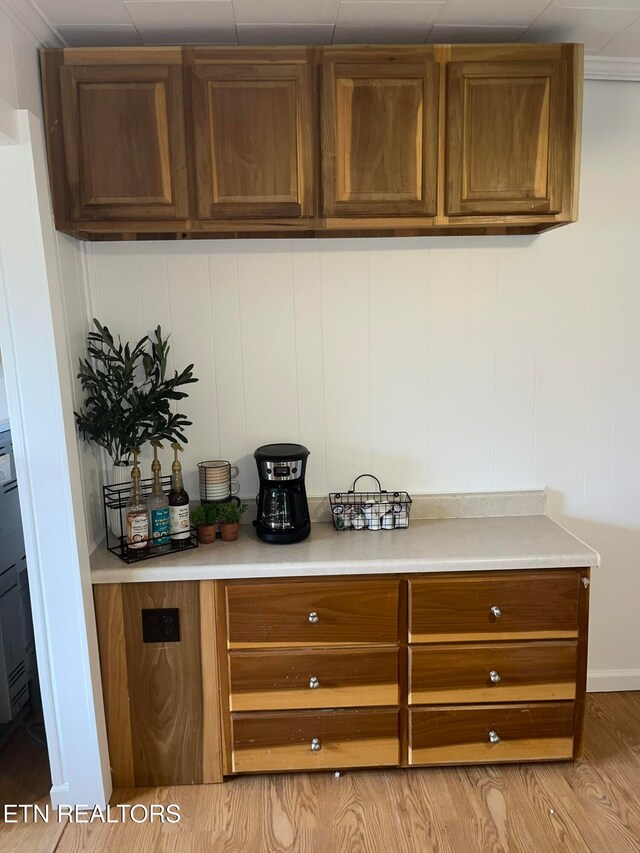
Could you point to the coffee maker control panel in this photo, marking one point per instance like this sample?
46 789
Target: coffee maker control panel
279 471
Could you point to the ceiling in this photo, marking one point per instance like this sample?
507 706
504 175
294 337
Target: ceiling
606 27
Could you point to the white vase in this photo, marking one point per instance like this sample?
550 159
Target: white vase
119 474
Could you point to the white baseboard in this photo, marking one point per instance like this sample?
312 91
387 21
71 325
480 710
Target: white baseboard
608 680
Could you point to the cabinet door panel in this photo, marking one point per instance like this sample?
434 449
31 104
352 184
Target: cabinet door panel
287 614
281 741
312 678
463 734
124 142
253 139
494 606
500 672
505 137
380 135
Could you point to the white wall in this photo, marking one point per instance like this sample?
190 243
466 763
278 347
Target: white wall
439 364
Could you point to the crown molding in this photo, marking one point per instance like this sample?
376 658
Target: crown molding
32 22
611 68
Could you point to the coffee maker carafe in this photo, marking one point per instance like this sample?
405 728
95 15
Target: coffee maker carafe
283 512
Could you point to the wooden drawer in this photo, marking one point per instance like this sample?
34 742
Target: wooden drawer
498 672
342 678
283 741
499 606
312 613
461 734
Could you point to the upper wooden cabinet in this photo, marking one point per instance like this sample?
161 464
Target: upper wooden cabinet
252 120
505 137
379 132
216 141
118 136
513 117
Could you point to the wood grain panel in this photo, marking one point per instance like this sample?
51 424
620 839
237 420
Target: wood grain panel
211 695
276 613
379 133
165 684
460 735
268 680
533 671
583 648
534 605
115 681
505 144
253 126
282 741
124 141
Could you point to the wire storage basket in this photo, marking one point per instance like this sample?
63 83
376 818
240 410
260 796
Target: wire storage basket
114 502
378 510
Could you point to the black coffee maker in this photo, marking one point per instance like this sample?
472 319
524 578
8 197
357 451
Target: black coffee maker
283 512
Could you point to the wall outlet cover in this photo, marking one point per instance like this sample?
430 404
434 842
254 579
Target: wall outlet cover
161 625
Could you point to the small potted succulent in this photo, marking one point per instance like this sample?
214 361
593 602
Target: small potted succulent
204 518
229 515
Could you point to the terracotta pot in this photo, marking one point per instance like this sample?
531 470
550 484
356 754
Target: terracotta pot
206 533
230 531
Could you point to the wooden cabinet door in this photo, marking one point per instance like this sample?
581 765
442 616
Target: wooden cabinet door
379 132
124 142
253 131
505 137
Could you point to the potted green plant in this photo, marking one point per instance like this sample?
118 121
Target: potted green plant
128 398
204 518
229 515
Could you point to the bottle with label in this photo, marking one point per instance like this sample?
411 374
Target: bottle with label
179 525
137 515
158 505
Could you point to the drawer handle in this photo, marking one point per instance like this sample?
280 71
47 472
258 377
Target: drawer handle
495 677
314 618
313 682
494 737
495 611
316 746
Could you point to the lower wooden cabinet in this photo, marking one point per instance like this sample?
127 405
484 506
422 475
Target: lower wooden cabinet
329 673
486 734
496 672
314 741
337 678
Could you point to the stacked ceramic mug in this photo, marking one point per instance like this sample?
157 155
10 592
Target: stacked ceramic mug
217 480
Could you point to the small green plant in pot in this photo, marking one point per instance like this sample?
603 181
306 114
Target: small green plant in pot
229 515
204 518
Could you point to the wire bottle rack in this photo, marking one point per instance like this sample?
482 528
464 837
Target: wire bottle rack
377 510
115 499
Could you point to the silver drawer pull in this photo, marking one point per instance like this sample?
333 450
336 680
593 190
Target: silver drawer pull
494 737
313 617
495 677
495 611
313 682
316 746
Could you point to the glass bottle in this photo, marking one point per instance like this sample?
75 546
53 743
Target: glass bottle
158 505
137 515
179 525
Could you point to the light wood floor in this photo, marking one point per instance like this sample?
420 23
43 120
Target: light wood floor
591 805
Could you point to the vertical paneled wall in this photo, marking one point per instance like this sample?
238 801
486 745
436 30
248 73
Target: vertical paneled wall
439 364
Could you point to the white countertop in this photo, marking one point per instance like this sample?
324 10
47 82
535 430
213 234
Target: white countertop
434 545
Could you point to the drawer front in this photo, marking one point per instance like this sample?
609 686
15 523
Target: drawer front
502 605
335 678
484 734
314 741
312 613
499 672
